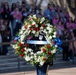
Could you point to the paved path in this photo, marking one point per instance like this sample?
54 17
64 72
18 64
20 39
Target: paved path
67 71
62 69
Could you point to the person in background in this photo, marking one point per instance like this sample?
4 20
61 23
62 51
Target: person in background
32 10
62 16
65 45
39 13
13 7
69 24
24 4
72 46
17 15
60 29
0 36
24 14
0 43
74 31
6 12
0 14
66 13
55 20
47 12
6 36
18 5
8 31
52 9
3 34
74 24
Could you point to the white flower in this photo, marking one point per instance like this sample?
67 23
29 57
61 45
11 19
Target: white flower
50 37
29 50
34 16
36 35
23 28
50 31
24 32
33 31
28 32
32 53
42 20
41 63
48 28
22 42
36 25
45 31
41 28
39 52
21 32
56 46
22 37
31 57
25 52
55 33
48 40
15 46
33 22
30 16
25 48
54 36
29 26
27 58
38 60
49 25
53 51
35 55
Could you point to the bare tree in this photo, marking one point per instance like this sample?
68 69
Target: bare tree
39 5
64 4
35 2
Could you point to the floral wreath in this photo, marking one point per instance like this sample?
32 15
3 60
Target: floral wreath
32 27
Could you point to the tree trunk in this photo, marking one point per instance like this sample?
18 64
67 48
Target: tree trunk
65 4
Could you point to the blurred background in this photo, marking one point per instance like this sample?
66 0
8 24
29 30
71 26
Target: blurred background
60 13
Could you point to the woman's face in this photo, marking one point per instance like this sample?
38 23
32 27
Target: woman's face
6 5
60 22
14 5
75 20
5 23
17 9
70 19
1 21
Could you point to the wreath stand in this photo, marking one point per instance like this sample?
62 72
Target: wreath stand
40 70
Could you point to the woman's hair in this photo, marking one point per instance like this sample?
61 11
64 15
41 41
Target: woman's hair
13 8
74 31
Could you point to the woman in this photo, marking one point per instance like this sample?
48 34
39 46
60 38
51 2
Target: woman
6 12
73 37
69 24
0 39
13 7
17 15
60 29
65 45
72 46
3 34
6 36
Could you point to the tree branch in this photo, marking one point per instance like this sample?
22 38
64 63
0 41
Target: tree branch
40 3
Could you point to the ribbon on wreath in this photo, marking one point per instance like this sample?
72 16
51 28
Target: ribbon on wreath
58 42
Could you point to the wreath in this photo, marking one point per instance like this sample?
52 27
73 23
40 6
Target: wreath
33 26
